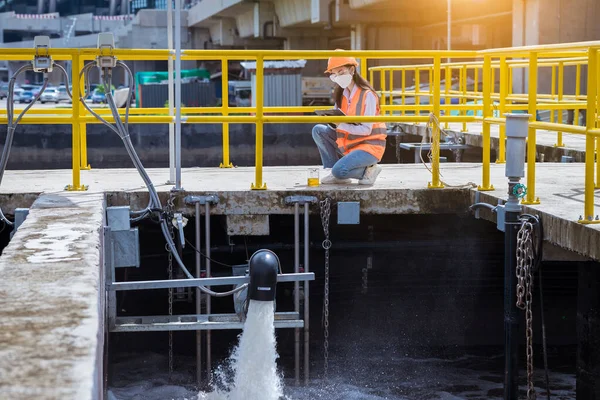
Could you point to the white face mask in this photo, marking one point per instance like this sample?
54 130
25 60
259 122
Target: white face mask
342 80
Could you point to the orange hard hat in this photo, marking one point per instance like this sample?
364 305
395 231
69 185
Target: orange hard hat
335 62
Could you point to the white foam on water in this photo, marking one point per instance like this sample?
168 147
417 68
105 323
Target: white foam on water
253 361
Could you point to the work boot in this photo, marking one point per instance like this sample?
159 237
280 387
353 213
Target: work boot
370 175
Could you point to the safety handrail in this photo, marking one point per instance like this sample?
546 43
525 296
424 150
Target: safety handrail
473 79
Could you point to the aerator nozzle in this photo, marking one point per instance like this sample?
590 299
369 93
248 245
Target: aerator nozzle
263 266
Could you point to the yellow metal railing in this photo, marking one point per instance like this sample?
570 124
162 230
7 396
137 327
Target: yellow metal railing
503 63
487 105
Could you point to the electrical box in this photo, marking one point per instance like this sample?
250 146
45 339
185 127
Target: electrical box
20 216
126 251
42 62
348 213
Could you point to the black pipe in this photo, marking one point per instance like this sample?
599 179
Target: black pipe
512 225
264 267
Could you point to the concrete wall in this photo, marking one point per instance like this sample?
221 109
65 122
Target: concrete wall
553 21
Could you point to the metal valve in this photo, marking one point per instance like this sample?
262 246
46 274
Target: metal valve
519 190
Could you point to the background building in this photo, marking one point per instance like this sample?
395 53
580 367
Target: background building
302 24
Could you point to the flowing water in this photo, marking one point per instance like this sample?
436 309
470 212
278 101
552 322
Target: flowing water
251 373
253 361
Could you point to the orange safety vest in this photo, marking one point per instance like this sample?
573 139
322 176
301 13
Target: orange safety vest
374 143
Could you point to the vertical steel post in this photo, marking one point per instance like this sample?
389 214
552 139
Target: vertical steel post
83 126
502 108
297 291
208 299
76 126
306 296
561 84
171 94
487 105
225 106
592 91
258 160
198 297
435 146
516 132
178 94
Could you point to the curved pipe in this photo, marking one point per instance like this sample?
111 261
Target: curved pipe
263 266
475 206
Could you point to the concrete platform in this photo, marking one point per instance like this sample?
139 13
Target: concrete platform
51 339
400 189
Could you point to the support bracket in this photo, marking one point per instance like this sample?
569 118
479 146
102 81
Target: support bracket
192 200
300 200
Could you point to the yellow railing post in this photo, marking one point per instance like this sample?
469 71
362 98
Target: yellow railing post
75 126
531 136
592 92
501 159
595 125
383 98
487 105
577 93
435 146
463 79
403 90
561 82
259 83
225 105
391 90
447 85
553 93
82 125
417 90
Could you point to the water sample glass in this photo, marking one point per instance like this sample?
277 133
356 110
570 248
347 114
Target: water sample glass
313 177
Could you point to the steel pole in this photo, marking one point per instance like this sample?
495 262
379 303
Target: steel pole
208 299
516 134
171 94
198 296
511 316
306 297
297 291
178 94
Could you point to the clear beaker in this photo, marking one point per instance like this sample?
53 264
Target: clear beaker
313 177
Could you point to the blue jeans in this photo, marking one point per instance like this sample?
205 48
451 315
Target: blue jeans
352 165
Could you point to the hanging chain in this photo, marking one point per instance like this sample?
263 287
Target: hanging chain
525 257
169 213
325 212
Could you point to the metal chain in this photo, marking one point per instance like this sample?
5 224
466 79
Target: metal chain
169 211
325 213
525 258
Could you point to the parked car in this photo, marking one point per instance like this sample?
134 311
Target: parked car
3 90
17 94
50 95
63 95
26 96
98 97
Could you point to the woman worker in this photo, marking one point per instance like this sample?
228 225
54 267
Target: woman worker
360 146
